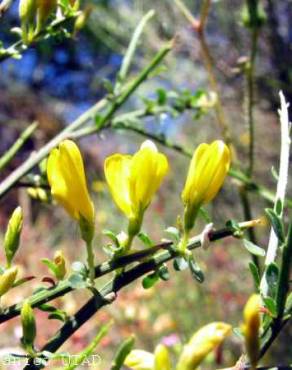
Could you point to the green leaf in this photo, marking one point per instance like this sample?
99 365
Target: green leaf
50 264
112 236
163 273
161 96
235 227
271 305
173 233
205 215
47 307
88 351
122 353
275 173
150 280
196 271
255 273
58 315
272 276
180 264
288 306
276 223
279 207
145 239
253 248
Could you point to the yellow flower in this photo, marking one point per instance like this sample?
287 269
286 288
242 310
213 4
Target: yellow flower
251 328
138 359
201 344
133 180
66 177
161 358
7 279
207 171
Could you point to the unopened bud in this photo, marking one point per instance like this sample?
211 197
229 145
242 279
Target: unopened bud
82 19
27 12
161 358
60 265
251 327
7 279
28 325
12 235
44 9
38 193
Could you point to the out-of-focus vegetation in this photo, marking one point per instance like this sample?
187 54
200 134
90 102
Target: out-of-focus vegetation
59 78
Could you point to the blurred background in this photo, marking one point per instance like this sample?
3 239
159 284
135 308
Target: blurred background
59 79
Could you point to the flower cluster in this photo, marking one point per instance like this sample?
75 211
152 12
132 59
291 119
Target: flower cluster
133 180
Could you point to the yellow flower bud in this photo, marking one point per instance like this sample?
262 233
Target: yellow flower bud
251 328
28 325
66 177
201 344
133 180
60 264
12 235
27 12
82 18
38 193
207 171
161 358
138 359
7 279
44 9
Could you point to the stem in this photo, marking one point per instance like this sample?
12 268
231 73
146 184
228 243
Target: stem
199 27
204 13
254 24
183 245
111 288
249 71
247 215
90 261
283 284
281 186
88 115
128 58
24 136
64 287
34 159
20 46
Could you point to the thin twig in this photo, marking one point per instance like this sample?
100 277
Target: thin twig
32 161
11 152
128 58
108 292
65 287
199 27
281 186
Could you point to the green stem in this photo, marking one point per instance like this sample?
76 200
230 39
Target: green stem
112 287
283 284
64 287
86 116
90 261
183 245
249 72
247 212
24 136
128 58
